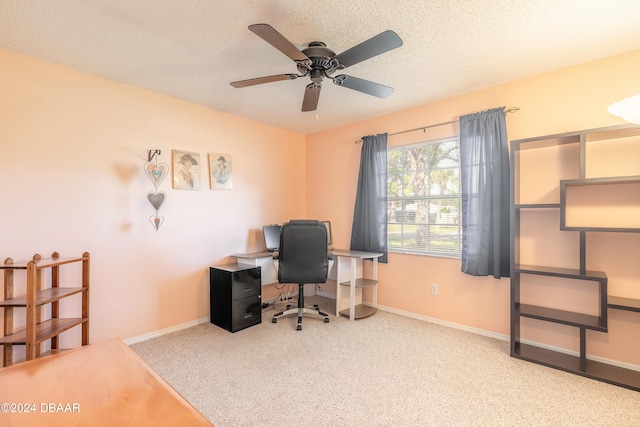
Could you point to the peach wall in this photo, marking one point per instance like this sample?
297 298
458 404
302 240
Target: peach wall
566 100
72 150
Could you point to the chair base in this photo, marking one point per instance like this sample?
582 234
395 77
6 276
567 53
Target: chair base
300 311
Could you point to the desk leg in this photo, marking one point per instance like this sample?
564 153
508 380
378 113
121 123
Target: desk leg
352 290
338 272
374 298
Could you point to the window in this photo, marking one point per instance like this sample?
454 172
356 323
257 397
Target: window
424 201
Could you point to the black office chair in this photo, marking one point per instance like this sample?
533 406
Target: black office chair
303 258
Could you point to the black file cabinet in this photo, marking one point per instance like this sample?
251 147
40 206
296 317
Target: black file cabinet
235 296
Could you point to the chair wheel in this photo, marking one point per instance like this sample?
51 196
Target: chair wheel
274 320
326 320
299 328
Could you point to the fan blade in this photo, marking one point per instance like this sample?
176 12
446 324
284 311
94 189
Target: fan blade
311 96
361 85
277 40
260 80
375 46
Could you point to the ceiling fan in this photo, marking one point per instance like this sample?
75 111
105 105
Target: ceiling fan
319 62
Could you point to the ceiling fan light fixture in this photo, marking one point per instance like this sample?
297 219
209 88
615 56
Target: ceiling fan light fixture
628 109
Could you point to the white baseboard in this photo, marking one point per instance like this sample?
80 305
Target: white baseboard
503 337
452 325
458 326
165 331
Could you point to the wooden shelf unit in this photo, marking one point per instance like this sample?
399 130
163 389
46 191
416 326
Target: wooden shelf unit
37 330
560 360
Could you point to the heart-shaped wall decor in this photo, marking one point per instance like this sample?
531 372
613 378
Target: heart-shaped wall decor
157 199
156 173
156 221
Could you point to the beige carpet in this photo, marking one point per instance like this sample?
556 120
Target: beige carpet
386 370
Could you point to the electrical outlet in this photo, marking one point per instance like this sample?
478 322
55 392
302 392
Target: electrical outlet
434 289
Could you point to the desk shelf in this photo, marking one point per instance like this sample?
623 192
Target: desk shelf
361 311
349 277
361 283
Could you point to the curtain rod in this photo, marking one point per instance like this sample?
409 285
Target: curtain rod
423 128
508 110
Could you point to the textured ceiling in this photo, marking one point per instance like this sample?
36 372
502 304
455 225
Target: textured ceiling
192 49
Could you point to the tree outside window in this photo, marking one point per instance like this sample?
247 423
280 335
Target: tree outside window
424 198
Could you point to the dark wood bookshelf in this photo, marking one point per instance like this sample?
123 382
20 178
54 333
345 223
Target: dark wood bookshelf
568 273
579 364
537 206
584 182
608 373
622 303
597 323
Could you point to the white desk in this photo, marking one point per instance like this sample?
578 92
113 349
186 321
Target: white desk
347 272
268 274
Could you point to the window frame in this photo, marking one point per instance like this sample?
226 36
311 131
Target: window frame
404 198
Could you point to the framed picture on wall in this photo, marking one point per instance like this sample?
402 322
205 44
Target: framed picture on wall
186 170
220 171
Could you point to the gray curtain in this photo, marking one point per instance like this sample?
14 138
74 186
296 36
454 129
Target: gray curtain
484 157
369 229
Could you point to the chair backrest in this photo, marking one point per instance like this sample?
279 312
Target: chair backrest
303 256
